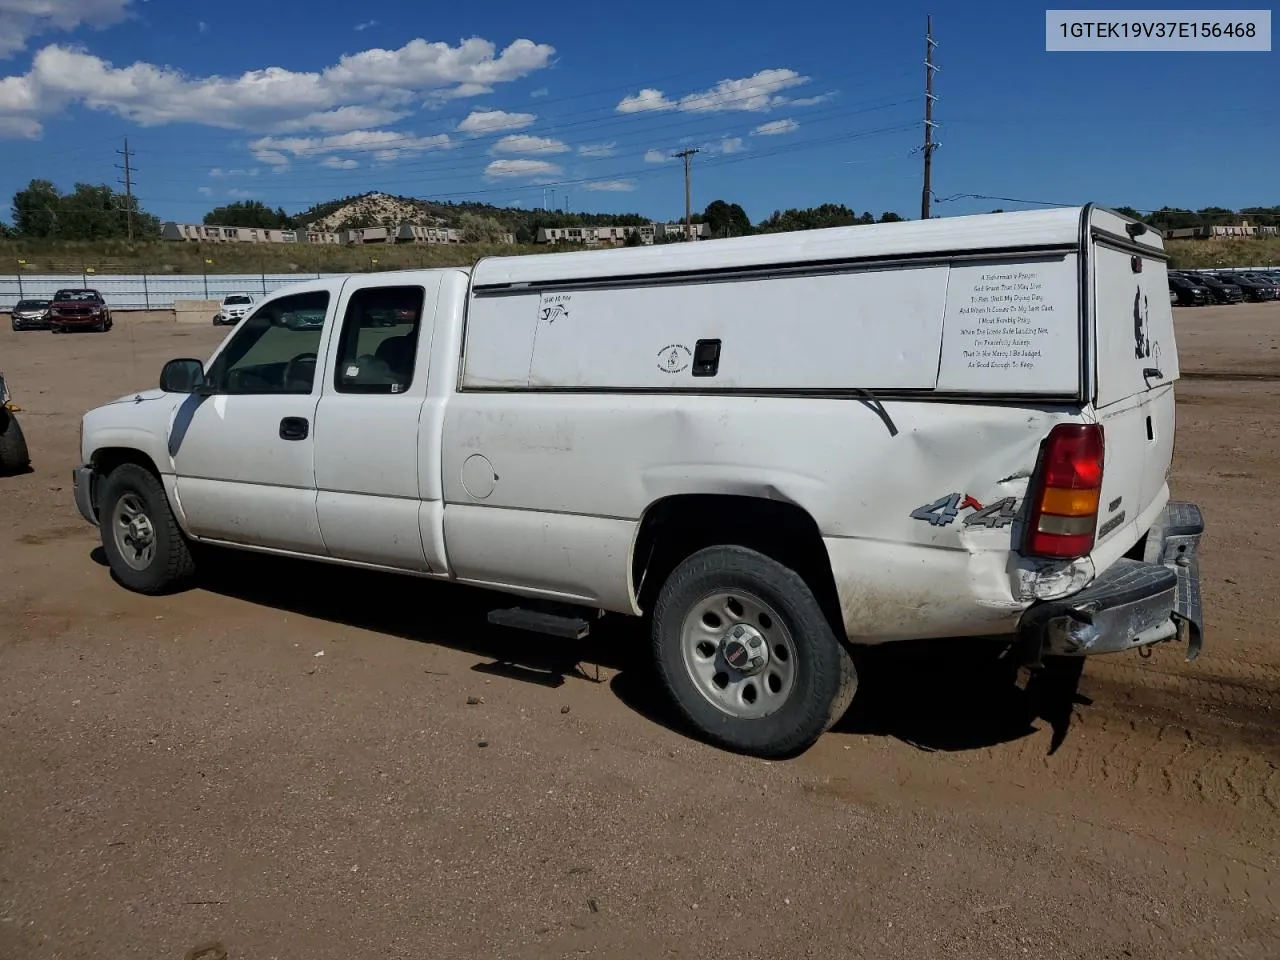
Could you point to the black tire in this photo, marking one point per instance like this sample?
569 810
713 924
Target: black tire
170 566
14 456
824 680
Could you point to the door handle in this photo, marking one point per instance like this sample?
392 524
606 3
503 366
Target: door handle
294 428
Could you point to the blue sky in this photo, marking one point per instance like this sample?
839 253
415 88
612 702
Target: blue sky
298 101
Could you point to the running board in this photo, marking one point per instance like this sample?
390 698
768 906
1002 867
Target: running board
568 626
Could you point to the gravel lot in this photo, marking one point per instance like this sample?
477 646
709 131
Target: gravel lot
190 770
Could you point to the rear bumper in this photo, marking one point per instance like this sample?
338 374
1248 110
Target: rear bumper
82 482
1134 603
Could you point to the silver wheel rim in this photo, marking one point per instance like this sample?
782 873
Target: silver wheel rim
739 654
134 534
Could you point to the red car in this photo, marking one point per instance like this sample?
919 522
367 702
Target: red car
79 309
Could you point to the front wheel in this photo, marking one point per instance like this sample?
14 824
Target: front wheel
13 445
747 655
145 547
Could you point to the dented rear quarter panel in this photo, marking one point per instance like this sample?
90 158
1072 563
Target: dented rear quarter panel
580 460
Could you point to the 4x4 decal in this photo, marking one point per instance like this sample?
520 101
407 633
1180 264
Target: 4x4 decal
944 510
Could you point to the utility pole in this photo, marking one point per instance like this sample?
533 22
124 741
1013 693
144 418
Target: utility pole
929 70
128 187
687 156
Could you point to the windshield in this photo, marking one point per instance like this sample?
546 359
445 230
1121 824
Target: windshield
236 299
31 304
76 295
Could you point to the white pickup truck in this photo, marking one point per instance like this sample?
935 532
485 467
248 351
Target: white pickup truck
778 448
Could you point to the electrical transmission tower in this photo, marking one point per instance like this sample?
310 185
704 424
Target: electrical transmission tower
127 167
687 156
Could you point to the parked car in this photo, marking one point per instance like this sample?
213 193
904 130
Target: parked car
233 308
623 434
79 309
30 315
1187 293
1254 291
1264 280
1222 292
13 445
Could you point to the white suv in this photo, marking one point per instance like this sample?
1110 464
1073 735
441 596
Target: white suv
233 308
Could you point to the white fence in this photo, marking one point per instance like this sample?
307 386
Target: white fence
146 292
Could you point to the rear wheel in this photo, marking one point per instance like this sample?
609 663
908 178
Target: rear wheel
13 445
747 655
145 547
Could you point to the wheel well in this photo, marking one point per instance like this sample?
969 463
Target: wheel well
675 527
108 458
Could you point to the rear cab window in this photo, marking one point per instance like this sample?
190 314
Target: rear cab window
378 343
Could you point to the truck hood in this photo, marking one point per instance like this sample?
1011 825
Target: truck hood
155 393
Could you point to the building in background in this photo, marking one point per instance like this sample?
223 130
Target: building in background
613 236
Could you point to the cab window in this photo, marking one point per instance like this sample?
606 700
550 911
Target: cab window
379 340
274 350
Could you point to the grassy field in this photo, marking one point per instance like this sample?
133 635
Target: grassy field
158 258
161 258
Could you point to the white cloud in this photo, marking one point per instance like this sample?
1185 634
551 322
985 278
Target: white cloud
365 25
597 149
481 122
20 128
646 100
343 118
235 192
272 158
613 186
22 19
540 92
204 191
775 128
655 156
339 163
506 169
271 98
388 143
812 101
731 145
524 143
758 92
202 26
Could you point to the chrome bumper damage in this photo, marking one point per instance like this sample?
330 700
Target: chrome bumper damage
1134 603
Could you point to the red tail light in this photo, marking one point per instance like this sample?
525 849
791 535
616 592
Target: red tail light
1064 493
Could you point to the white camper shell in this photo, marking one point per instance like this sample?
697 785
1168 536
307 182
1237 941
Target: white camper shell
778 448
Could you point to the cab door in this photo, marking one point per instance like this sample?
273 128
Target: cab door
243 455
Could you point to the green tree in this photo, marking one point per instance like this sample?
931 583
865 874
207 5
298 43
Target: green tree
890 217
89 212
35 209
726 219
249 213
476 229
634 239
811 218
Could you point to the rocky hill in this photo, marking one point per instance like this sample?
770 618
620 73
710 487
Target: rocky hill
371 209
377 209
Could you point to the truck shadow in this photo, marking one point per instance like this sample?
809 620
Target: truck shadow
936 696
957 694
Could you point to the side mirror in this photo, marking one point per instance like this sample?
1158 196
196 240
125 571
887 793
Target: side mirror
182 376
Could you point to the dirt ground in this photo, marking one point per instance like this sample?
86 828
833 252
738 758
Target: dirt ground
284 761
